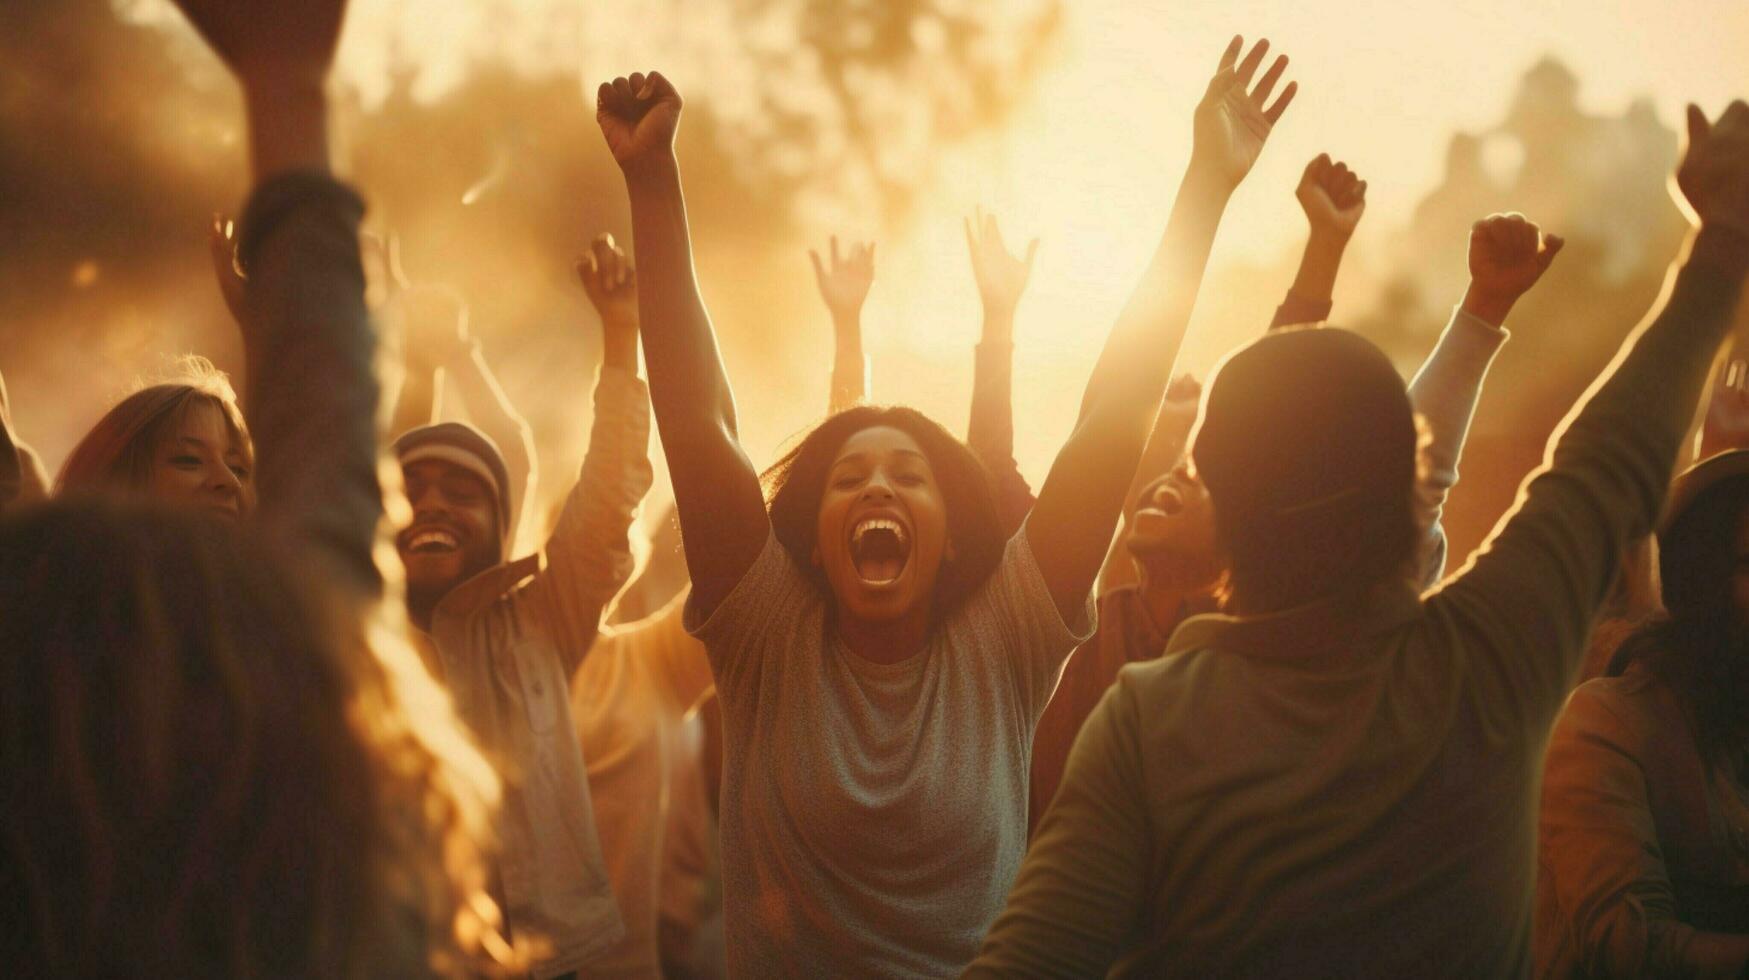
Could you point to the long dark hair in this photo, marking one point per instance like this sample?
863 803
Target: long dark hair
199 774
1701 646
796 482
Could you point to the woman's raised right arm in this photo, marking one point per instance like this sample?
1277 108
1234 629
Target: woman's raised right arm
723 521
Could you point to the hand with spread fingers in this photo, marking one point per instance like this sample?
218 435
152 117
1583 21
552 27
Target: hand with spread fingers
639 115
611 284
844 281
1508 254
1333 197
1234 118
1001 276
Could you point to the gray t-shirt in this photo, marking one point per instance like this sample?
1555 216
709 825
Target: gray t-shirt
874 815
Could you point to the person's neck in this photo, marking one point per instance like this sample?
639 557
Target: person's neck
1163 596
420 611
886 641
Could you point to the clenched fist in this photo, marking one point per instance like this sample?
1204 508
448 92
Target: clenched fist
1714 173
1508 254
1332 196
638 115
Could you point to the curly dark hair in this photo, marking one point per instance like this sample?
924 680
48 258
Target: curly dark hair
796 482
1701 646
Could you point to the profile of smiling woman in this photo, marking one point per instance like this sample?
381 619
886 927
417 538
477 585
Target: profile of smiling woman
182 440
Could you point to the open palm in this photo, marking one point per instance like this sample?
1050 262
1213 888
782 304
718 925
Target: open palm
638 115
1000 274
1231 122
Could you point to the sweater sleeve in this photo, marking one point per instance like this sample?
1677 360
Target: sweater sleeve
1524 605
589 557
990 433
1444 392
1598 849
1080 890
312 386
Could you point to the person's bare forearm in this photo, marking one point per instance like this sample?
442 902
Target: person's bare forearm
1316 279
716 490
849 365
1073 519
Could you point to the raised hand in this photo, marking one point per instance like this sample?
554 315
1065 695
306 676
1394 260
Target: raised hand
1508 254
1001 277
270 42
1333 197
1714 173
611 284
221 241
1231 123
844 283
638 116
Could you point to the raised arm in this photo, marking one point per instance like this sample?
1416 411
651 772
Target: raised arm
844 286
1532 591
1508 255
1001 278
1071 524
1334 200
723 520
312 391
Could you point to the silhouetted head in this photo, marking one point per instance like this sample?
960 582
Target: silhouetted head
182 441
893 514
1701 646
203 774
1307 445
458 486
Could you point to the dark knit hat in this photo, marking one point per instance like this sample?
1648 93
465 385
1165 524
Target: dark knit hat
1302 419
460 444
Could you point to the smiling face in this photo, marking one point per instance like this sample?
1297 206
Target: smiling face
454 534
202 461
882 527
1173 533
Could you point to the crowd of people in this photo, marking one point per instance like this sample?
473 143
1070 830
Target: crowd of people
298 685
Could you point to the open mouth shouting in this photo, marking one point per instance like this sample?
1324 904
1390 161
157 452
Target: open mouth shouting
880 548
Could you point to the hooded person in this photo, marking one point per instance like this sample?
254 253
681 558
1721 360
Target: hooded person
505 635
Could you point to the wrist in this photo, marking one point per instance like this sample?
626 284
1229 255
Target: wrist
652 171
847 327
1327 239
288 126
619 349
1207 178
1486 305
998 322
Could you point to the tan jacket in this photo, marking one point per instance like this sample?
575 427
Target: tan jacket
508 641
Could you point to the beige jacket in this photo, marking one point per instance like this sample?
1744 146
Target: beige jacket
508 641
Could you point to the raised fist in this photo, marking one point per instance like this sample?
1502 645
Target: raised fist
270 42
844 284
1508 254
1332 196
1714 173
1231 123
610 283
1000 274
638 116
